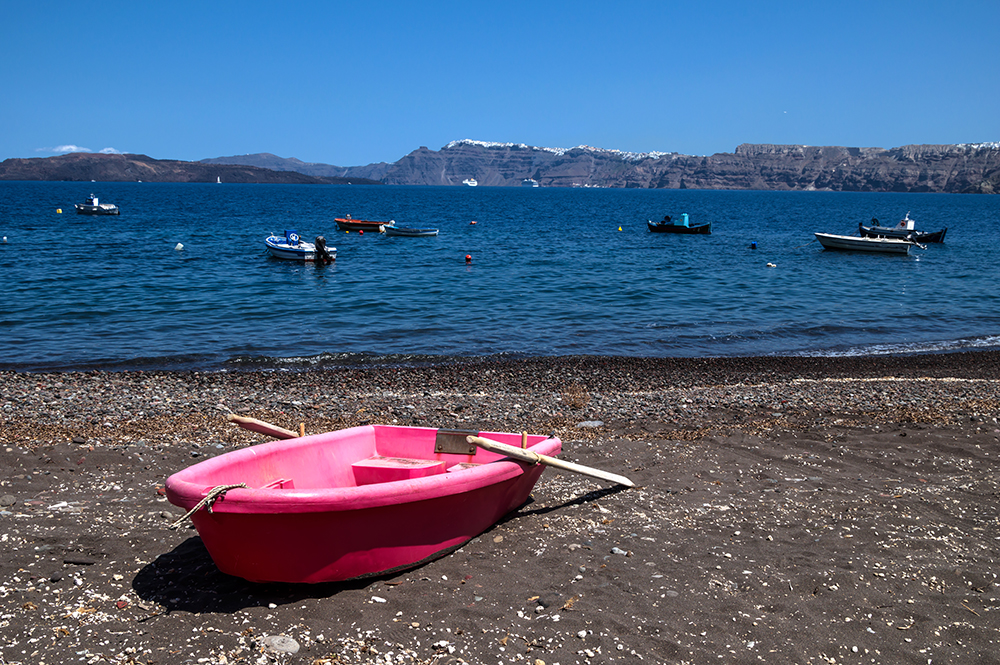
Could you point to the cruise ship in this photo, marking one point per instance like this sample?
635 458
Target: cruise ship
529 182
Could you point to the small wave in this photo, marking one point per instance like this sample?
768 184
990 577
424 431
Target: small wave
990 342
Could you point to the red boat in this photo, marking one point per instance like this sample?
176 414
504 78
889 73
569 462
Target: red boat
352 503
350 224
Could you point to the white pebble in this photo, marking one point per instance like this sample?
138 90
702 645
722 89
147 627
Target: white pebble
377 599
280 644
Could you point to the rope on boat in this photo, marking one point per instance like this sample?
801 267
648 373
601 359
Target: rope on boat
213 495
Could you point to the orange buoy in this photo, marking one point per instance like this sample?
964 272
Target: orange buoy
468 258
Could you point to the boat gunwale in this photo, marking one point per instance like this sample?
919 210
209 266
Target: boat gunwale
184 491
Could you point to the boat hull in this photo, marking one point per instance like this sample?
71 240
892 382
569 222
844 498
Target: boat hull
700 229
351 503
864 244
361 224
904 234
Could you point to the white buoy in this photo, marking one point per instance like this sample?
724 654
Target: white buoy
5 238
179 247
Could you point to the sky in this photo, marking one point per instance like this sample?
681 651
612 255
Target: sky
354 83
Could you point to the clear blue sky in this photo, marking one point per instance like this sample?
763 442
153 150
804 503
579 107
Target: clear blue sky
351 83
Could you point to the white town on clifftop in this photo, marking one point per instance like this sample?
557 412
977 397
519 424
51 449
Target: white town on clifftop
639 156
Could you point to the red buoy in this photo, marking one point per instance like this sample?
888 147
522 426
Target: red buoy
468 258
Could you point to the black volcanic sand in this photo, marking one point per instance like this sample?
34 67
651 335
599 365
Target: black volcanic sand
788 511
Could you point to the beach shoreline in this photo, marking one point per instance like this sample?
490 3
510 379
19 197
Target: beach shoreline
788 510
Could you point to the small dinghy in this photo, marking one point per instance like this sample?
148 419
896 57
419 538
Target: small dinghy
350 224
863 244
357 502
682 225
409 232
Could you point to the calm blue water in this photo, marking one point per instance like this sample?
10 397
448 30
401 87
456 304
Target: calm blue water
551 274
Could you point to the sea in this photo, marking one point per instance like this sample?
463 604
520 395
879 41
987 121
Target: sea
181 280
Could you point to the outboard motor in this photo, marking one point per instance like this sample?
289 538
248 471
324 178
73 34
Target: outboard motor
322 253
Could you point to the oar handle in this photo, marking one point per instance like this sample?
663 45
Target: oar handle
538 458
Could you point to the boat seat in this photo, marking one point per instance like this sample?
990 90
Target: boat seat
462 467
388 469
279 484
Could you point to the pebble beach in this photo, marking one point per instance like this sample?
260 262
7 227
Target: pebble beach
794 510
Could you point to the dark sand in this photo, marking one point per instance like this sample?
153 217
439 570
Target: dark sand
788 511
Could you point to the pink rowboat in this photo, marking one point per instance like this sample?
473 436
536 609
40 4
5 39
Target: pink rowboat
353 503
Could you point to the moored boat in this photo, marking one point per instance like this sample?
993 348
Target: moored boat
93 206
409 232
350 224
352 503
682 225
906 229
864 244
292 247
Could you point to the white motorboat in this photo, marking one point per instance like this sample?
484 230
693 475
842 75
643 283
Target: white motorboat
293 248
862 244
94 207
471 182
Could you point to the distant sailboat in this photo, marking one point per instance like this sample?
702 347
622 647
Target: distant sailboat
218 179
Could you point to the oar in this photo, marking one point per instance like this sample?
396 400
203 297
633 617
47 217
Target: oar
261 427
537 458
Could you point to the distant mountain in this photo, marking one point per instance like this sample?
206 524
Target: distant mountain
967 168
266 160
80 166
963 168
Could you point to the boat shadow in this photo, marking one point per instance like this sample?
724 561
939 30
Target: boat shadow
186 579
578 501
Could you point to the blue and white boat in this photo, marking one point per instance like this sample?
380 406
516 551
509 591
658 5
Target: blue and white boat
292 247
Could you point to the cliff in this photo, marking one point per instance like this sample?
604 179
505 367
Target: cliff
970 168
131 168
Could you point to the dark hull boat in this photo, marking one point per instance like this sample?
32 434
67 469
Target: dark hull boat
661 227
904 230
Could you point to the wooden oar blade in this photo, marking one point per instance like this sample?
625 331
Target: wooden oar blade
261 427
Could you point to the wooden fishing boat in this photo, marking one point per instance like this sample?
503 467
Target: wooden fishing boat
863 244
409 232
350 224
682 225
906 229
353 503
292 247
93 206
